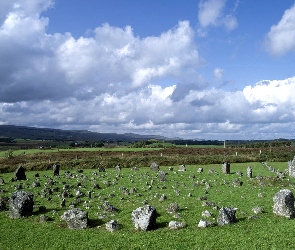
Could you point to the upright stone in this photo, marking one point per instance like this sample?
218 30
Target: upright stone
284 203
227 215
225 168
292 168
144 218
112 226
249 172
162 176
56 168
75 218
20 173
154 167
182 168
21 204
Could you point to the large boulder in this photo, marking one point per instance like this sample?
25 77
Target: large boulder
21 204
20 173
227 215
284 203
144 218
75 218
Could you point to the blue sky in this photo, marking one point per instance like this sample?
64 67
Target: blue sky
210 69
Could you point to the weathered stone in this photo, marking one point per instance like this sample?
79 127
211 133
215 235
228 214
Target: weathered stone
227 215
154 167
257 210
75 218
163 197
284 203
118 168
112 226
292 168
21 204
206 213
182 168
239 173
144 218
162 176
176 225
172 208
56 168
204 223
225 167
43 218
200 170
237 182
20 173
109 208
35 184
249 172
101 169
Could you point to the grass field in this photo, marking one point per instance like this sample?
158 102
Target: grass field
268 231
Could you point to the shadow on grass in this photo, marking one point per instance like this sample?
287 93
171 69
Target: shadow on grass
94 223
161 225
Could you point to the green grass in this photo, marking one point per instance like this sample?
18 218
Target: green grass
267 232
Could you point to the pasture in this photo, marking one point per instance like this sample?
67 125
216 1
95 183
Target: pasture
190 189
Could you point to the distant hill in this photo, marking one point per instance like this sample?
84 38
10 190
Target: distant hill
33 133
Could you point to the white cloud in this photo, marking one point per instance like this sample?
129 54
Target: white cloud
113 82
218 74
281 37
211 13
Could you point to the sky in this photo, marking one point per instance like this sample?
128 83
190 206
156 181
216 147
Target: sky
192 69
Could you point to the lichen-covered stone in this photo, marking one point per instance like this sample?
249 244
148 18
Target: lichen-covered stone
284 203
144 218
75 218
227 215
21 204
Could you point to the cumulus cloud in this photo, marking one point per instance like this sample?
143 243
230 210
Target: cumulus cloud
115 81
211 13
281 37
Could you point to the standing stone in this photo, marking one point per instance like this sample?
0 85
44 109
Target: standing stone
101 169
162 175
20 204
20 173
154 167
144 218
225 168
227 215
112 226
292 168
284 203
172 208
75 218
118 168
56 168
200 170
182 168
249 172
